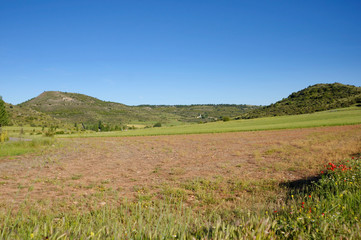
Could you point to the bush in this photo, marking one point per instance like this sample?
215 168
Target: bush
158 124
4 136
226 119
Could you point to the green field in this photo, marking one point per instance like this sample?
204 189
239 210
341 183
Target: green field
344 116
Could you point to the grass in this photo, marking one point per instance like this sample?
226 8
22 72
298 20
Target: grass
326 208
22 147
329 207
345 116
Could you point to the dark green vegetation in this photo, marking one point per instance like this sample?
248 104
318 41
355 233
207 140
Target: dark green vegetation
4 118
319 97
78 108
327 208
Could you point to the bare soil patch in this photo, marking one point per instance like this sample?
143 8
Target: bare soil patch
128 165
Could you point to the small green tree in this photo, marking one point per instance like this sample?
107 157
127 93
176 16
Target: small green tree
4 117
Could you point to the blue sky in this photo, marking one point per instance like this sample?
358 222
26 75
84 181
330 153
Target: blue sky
177 52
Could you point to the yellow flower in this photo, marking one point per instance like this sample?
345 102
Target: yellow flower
91 234
32 235
341 195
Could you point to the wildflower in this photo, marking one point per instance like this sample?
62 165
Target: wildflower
309 196
174 236
91 234
31 235
303 203
323 214
292 196
275 211
341 195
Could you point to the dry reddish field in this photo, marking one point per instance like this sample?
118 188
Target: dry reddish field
127 165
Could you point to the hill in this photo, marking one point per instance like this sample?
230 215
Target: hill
25 116
319 97
80 108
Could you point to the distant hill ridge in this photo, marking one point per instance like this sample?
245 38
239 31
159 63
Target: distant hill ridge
319 97
76 108
58 108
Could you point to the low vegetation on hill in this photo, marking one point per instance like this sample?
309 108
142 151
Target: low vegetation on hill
319 97
25 116
78 108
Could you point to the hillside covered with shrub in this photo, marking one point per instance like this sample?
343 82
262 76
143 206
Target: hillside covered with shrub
319 97
79 108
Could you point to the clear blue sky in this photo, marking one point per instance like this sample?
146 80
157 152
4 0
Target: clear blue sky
177 52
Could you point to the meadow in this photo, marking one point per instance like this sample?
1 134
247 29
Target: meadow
345 116
299 181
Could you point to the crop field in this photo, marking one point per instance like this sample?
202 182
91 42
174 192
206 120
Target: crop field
205 186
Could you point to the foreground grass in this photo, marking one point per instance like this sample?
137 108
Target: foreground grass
328 208
345 116
22 147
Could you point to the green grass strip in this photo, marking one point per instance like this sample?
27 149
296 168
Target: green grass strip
346 116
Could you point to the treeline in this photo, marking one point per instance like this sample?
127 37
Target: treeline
99 127
319 97
202 112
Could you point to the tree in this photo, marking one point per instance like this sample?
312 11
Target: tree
4 118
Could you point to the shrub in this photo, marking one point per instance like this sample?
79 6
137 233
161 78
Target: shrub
158 124
4 136
226 119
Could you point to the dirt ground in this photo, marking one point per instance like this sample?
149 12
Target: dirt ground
87 165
